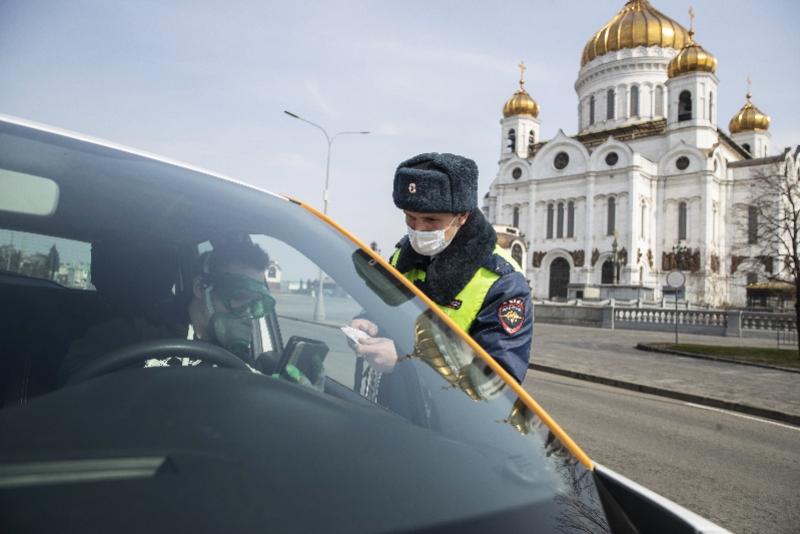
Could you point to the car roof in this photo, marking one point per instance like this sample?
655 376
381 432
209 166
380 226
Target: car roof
102 143
107 191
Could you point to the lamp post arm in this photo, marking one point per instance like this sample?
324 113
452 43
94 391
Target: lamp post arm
314 124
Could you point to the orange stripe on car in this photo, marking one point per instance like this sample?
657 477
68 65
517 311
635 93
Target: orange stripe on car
496 367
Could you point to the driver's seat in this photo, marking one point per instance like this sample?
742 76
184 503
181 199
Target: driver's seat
135 286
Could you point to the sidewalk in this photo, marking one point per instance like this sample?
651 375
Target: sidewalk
610 357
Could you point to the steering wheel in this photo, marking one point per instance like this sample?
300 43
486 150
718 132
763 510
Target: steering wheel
160 348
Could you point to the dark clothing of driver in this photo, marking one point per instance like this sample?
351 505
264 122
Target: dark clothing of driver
228 293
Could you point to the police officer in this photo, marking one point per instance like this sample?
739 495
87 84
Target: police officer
451 254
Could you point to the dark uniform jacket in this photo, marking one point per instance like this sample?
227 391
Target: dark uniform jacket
504 323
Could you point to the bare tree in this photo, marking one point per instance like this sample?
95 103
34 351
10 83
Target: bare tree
773 225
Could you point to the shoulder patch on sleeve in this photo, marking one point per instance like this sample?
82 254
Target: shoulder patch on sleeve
511 314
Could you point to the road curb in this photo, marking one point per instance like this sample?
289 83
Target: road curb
677 395
653 348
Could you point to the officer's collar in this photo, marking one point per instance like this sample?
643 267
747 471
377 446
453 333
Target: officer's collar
452 269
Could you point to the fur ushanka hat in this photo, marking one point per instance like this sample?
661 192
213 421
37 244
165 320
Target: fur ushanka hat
436 183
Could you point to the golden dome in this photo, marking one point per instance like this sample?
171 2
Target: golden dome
521 103
637 24
748 118
691 58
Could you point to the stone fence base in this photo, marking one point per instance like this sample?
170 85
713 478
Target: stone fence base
735 323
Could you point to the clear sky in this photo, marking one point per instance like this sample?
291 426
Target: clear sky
206 82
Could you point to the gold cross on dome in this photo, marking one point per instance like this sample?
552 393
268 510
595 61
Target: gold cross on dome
691 19
522 69
749 87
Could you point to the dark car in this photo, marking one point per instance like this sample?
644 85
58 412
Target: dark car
296 435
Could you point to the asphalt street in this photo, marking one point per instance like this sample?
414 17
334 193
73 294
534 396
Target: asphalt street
612 354
738 471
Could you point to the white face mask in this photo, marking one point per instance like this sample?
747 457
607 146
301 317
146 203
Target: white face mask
429 243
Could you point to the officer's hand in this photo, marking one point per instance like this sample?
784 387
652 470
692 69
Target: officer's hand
365 326
379 352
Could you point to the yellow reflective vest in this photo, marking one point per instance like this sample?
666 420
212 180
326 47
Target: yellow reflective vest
472 296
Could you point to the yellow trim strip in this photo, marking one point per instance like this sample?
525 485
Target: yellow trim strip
496 367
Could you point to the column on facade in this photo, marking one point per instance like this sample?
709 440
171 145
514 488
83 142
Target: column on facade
659 212
707 236
531 230
652 228
634 222
588 240
725 237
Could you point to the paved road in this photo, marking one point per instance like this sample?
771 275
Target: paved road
740 472
611 354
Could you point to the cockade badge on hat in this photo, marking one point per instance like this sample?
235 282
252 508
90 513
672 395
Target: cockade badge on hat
412 188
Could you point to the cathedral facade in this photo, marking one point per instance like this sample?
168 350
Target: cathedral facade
650 183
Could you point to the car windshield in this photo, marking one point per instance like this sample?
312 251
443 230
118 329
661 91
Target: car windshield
123 220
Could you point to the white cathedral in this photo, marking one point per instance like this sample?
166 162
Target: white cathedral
648 185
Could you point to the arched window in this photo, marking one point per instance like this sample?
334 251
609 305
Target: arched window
682 221
711 106
570 219
685 106
516 253
610 104
531 143
560 224
272 273
591 110
659 101
515 219
607 272
752 225
635 101
549 221
612 213
511 145
746 146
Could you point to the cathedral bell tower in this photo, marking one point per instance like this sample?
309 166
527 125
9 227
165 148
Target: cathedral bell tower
749 128
692 88
520 125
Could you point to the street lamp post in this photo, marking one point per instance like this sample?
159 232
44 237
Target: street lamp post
677 281
319 304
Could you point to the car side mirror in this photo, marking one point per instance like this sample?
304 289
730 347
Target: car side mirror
379 280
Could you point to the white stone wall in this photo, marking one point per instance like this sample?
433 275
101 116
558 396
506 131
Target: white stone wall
645 68
701 130
758 141
523 126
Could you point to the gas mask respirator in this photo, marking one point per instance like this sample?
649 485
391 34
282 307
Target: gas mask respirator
244 300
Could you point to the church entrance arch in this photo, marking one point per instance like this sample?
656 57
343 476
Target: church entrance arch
559 278
607 273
